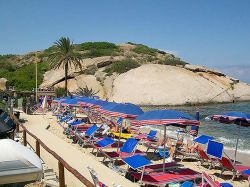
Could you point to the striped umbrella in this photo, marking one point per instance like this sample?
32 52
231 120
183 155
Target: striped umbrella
123 110
238 118
165 118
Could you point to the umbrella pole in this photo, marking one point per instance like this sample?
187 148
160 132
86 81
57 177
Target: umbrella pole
237 142
120 133
164 145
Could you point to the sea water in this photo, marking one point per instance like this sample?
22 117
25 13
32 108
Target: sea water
224 133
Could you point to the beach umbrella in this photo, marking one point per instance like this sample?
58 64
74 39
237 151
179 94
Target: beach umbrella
96 103
71 102
238 118
123 110
165 118
61 99
45 103
85 101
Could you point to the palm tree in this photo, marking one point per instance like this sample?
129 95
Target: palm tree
86 92
64 55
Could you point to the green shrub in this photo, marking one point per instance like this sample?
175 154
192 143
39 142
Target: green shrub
131 43
143 49
122 66
90 70
60 92
173 62
6 62
98 49
100 52
96 46
24 78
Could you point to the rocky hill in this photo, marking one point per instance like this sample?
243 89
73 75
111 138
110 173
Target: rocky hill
138 74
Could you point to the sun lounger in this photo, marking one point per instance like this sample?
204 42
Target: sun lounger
105 143
122 135
66 118
141 164
236 169
96 181
184 154
167 177
128 149
151 136
208 181
158 167
203 157
86 137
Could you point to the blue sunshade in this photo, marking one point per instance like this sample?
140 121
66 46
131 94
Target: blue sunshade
105 142
203 139
136 161
246 172
215 149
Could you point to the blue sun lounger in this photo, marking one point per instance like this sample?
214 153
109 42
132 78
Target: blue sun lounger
101 144
66 118
75 123
87 136
128 149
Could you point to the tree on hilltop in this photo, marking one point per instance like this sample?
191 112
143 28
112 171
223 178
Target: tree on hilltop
64 55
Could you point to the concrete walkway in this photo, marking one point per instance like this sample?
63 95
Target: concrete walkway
72 155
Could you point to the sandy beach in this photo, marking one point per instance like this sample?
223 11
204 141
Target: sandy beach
79 158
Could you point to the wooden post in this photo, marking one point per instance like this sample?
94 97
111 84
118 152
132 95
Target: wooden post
17 127
37 148
61 175
24 138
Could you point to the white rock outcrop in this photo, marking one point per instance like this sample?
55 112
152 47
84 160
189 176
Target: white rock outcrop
53 77
155 84
82 81
3 83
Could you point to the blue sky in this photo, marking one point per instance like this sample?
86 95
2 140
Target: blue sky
214 33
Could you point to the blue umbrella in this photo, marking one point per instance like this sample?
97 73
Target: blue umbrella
165 117
238 118
97 103
124 110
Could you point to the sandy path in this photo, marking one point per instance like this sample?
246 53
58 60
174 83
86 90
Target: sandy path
71 154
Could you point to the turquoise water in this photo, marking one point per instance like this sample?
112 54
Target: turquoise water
225 133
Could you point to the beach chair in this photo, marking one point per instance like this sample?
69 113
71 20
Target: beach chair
104 144
151 136
236 169
65 118
207 181
158 167
246 173
167 177
128 149
204 158
96 181
86 137
140 163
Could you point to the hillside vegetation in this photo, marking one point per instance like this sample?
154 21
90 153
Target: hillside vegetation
20 69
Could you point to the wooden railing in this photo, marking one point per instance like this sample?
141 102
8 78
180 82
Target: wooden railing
61 162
